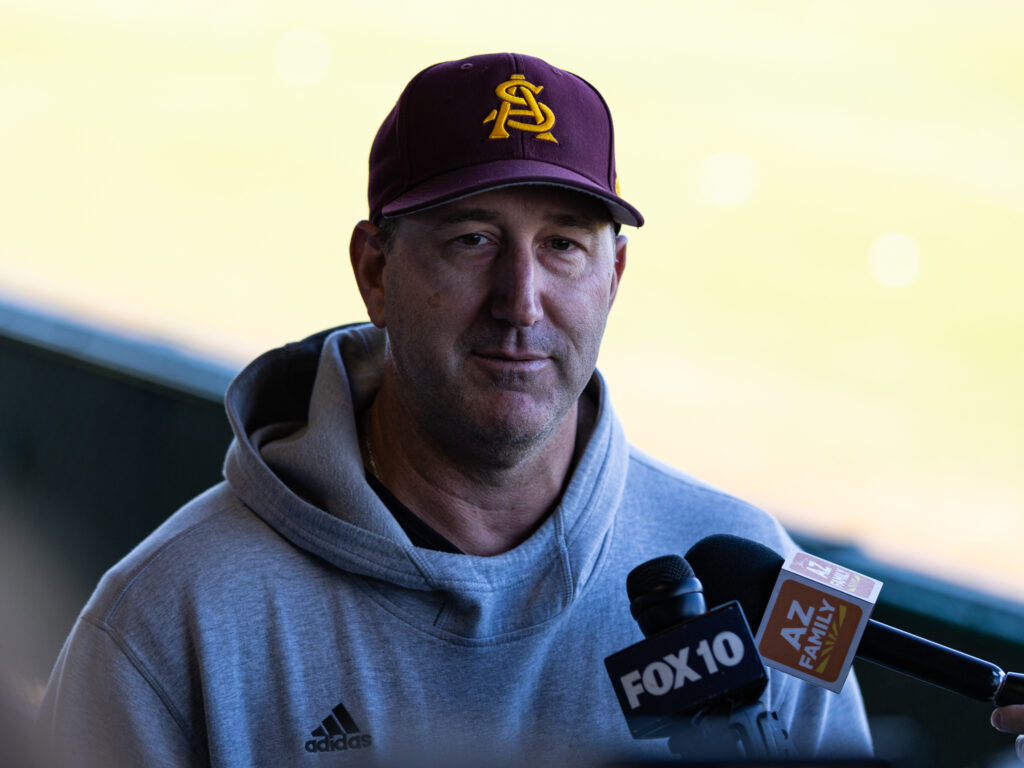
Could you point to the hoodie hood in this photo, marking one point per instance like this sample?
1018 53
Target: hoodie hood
295 462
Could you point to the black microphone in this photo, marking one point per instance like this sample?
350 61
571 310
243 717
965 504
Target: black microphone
697 676
734 568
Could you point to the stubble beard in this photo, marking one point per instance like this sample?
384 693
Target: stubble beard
464 422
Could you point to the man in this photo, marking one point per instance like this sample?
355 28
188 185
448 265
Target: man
420 550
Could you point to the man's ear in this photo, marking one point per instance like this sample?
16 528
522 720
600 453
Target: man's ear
618 267
369 266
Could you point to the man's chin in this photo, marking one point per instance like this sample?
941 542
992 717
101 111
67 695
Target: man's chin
517 424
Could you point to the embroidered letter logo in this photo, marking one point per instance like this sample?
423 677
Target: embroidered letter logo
518 91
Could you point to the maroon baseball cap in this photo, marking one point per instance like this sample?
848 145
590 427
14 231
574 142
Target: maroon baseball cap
498 120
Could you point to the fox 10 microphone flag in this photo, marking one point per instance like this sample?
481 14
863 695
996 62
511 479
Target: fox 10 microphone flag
815 619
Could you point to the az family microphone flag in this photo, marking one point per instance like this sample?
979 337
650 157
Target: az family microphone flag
815 619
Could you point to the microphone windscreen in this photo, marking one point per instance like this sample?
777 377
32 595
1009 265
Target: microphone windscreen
647 577
734 568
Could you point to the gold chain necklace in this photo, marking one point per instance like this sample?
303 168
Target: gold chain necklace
368 443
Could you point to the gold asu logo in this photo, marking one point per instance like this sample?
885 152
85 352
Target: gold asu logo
521 93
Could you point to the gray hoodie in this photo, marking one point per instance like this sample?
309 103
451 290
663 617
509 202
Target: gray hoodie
284 617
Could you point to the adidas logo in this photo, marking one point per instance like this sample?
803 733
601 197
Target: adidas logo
338 732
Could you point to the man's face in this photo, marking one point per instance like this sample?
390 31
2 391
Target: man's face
495 306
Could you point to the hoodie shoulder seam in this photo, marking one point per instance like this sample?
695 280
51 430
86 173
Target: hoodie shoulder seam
144 672
160 551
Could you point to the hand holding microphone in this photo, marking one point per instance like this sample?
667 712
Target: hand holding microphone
733 568
1010 719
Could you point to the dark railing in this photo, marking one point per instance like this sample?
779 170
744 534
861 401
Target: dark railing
102 436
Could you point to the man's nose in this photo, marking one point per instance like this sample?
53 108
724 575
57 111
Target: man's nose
517 287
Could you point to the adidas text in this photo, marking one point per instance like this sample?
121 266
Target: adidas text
339 743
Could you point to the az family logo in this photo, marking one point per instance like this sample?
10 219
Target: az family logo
809 629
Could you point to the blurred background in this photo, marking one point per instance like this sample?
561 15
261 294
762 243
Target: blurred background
822 314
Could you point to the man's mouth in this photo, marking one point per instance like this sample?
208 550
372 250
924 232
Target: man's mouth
512 361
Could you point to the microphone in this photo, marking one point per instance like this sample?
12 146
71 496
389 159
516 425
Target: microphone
734 568
696 677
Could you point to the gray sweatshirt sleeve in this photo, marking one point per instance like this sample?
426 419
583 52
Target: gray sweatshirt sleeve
103 708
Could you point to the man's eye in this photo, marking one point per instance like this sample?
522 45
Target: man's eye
561 244
474 238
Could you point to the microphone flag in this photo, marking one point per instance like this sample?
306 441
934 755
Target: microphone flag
815 618
706 660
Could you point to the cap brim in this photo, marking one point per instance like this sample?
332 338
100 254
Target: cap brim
463 182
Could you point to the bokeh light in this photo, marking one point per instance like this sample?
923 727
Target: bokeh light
895 260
